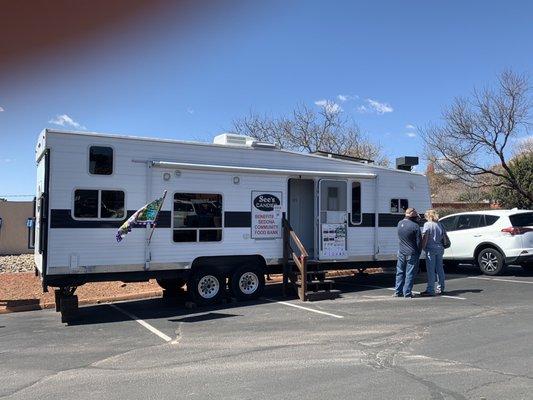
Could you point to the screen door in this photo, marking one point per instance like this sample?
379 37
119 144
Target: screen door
333 221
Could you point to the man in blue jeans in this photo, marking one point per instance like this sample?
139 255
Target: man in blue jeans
410 241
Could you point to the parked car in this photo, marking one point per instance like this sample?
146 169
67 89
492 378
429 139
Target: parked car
491 238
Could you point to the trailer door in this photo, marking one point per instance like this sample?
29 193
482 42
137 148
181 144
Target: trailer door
333 219
41 213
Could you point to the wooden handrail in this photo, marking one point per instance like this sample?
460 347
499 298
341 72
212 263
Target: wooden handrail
299 244
299 260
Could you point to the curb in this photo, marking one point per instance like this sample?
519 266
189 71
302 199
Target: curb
145 295
85 302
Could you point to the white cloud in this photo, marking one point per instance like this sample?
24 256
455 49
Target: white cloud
329 106
190 110
65 120
347 97
409 126
411 134
1 109
7 160
378 107
374 106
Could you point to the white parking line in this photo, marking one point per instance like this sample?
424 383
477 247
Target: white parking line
499 279
143 323
393 289
305 308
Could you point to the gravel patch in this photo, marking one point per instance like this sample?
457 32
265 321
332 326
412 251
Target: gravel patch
18 263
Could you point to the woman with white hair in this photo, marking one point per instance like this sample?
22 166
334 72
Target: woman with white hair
433 236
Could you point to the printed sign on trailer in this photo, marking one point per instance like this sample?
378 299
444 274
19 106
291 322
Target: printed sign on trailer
334 240
266 215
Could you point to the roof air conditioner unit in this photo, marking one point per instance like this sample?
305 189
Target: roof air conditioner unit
231 139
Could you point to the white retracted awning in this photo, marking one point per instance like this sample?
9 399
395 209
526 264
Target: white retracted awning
257 170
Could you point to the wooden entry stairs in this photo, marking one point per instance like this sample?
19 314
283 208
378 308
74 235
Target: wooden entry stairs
301 273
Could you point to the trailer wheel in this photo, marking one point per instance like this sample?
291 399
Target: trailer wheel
206 286
171 284
247 282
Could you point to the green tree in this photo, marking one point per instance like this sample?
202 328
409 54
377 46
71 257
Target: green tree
522 168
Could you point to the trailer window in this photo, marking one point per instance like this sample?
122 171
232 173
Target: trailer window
398 206
356 202
100 160
86 203
112 204
185 235
197 217
104 204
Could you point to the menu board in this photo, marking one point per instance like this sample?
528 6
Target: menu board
334 241
266 215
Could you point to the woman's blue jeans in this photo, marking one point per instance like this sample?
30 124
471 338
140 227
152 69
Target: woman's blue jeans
434 269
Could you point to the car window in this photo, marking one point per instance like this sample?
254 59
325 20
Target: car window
522 219
469 221
449 223
490 219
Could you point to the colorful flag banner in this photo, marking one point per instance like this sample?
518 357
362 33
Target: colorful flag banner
142 217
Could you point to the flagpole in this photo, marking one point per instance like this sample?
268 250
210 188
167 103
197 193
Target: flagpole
156 215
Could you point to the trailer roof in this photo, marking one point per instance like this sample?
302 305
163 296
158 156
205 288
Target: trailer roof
221 146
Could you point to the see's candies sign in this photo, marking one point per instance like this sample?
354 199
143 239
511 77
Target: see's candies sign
266 215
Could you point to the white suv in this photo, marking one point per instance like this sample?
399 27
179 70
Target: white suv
491 238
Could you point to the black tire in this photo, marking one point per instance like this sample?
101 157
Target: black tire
491 261
206 286
171 284
247 282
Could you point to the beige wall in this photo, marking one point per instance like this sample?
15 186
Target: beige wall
14 232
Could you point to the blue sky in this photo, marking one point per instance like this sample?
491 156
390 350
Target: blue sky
400 60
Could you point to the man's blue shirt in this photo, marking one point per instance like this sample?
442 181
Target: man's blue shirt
410 237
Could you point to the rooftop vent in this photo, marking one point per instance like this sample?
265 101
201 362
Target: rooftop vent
264 145
232 139
406 163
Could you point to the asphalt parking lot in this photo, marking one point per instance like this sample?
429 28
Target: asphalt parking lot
477 343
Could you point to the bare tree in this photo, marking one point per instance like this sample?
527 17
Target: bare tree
523 146
473 143
307 130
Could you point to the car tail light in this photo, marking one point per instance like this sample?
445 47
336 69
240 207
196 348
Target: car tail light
517 230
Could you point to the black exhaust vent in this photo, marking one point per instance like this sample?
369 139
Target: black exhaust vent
406 163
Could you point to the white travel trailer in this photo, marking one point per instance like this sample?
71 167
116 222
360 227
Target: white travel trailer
221 227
